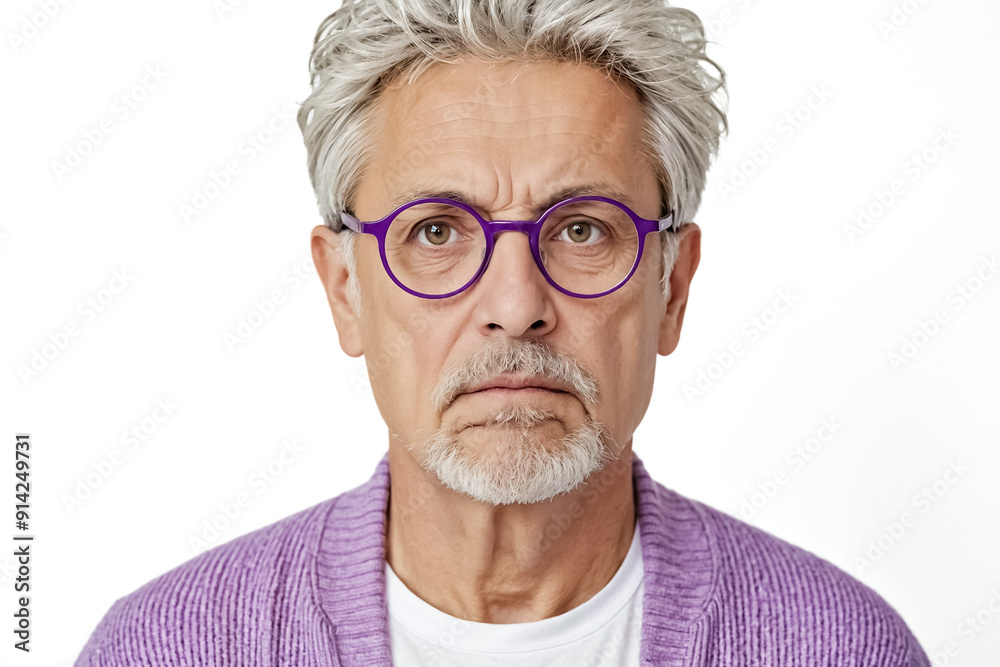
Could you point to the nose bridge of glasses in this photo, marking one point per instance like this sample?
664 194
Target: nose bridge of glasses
494 227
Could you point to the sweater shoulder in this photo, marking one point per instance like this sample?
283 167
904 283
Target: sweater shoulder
227 605
796 605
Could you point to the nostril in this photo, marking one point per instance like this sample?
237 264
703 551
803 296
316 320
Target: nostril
538 324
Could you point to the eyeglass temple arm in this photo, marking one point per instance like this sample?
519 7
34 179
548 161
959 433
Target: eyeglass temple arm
351 222
667 223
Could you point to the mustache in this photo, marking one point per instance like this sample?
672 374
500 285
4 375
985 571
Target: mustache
526 357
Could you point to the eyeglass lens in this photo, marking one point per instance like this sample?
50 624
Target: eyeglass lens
587 247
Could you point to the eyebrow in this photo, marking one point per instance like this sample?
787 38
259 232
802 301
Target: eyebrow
600 189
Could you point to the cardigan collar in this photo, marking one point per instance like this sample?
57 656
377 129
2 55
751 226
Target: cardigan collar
679 569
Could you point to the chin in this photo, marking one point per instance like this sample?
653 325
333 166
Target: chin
513 460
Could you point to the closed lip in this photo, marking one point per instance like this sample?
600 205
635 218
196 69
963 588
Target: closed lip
515 382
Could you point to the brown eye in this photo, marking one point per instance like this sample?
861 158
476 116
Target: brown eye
578 232
581 233
434 234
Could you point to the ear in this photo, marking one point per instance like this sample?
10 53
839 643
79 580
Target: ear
332 270
688 256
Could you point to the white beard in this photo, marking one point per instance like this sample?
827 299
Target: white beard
520 469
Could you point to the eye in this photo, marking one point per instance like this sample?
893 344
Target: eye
581 232
436 234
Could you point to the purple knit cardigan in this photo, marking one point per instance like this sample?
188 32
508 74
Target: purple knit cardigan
309 590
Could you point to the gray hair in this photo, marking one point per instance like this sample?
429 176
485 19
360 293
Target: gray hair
368 44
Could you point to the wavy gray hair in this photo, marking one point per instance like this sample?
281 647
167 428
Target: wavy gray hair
368 44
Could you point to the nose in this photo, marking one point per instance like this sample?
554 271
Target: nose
512 295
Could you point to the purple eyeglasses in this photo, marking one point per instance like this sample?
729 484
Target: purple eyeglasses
436 247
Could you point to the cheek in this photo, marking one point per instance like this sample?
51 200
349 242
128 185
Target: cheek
387 342
389 353
634 364
386 356
620 340
404 359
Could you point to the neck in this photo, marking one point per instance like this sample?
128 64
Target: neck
507 563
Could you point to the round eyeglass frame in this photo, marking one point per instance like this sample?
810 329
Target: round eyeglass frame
379 229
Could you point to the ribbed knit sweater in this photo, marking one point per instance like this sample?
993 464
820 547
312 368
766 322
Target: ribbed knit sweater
309 590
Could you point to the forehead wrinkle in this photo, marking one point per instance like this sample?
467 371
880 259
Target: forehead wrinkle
498 73
406 107
600 188
467 145
478 168
412 99
534 126
478 138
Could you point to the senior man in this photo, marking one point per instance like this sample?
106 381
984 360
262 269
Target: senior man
508 187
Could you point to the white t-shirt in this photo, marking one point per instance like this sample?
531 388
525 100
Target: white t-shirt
604 631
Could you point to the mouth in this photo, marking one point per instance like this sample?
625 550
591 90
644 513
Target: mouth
515 386
509 393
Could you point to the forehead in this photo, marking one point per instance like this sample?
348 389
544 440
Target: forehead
505 133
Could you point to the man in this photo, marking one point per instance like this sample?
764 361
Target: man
507 187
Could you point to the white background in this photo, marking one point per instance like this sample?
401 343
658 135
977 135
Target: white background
62 237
